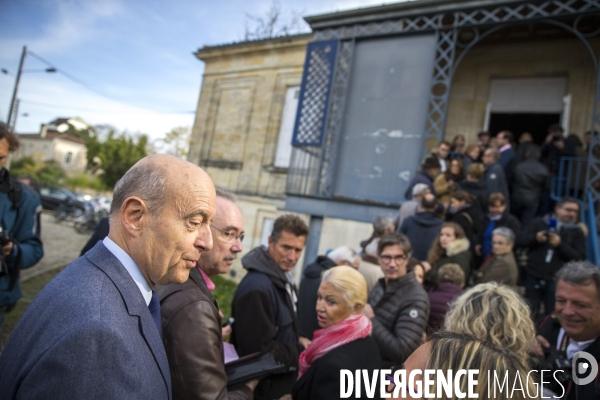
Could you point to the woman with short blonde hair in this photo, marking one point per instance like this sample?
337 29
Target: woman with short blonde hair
344 342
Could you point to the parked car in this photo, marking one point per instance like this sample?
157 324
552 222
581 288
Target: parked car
54 198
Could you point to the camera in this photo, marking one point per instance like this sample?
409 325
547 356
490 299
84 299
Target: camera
557 362
5 238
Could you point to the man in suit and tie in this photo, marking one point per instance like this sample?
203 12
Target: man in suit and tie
94 331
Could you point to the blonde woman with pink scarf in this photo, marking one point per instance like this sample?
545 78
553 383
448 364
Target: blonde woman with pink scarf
344 342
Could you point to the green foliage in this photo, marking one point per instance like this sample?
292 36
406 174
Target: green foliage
84 181
115 155
224 291
46 173
175 142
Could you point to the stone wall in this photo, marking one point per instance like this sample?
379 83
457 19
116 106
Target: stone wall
235 133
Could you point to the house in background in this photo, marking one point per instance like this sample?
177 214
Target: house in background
54 143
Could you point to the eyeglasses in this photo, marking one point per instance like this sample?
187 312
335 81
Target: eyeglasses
229 236
572 210
386 259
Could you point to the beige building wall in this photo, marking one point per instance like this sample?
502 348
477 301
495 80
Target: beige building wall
568 58
235 133
43 149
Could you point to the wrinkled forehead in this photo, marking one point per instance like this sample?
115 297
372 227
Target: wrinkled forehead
191 190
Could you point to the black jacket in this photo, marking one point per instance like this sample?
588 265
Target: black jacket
307 299
469 218
322 379
549 328
479 190
571 248
421 229
531 178
495 179
401 313
507 220
420 177
265 320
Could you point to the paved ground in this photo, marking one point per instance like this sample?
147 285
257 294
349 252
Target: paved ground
61 246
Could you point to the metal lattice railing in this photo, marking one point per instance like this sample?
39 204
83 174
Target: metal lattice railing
518 11
314 95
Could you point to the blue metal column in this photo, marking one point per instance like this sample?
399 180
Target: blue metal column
312 241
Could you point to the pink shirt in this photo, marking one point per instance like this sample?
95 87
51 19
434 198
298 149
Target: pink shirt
209 284
505 147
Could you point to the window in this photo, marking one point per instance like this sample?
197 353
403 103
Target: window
267 228
68 158
286 129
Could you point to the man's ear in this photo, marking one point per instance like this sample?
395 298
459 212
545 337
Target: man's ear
134 214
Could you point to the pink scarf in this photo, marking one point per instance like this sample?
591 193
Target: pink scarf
334 336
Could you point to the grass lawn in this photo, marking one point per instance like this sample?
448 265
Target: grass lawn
223 293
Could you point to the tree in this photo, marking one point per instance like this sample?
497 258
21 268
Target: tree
47 173
273 23
175 142
111 158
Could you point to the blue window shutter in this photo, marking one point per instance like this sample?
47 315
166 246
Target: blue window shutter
317 79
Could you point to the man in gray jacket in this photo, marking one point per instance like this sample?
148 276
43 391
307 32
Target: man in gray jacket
398 306
494 177
531 179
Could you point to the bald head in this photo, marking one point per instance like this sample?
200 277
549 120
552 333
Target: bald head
161 214
153 178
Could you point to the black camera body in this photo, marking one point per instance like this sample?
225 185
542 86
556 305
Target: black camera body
557 362
5 238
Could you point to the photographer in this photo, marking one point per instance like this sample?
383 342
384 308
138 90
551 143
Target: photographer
574 326
553 240
19 222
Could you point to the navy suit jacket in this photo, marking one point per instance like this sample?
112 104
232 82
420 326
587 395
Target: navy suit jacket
87 335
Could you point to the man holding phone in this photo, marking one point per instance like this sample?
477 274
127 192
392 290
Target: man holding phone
191 320
553 240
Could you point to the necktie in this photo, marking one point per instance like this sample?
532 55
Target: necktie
154 308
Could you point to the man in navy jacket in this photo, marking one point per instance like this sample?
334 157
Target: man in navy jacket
19 215
94 332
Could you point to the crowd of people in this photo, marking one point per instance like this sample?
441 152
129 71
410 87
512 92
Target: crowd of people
439 287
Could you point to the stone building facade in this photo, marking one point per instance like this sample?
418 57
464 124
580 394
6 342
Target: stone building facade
521 67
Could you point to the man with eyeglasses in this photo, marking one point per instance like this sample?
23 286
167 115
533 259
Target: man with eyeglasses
191 319
553 241
265 305
398 306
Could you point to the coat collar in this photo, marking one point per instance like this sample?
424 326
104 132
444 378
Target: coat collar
457 246
134 302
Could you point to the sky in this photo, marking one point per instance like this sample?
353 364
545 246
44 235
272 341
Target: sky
125 63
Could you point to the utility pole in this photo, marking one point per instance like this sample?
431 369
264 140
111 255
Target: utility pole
12 112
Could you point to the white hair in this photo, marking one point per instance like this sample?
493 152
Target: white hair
343 254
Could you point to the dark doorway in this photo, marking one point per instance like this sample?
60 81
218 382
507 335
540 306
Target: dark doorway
517 123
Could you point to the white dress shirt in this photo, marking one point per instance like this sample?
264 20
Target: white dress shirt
131 267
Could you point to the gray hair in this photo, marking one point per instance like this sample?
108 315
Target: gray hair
341 254
146 181
580 273
506 232
381 223
224 194
419 189
493 152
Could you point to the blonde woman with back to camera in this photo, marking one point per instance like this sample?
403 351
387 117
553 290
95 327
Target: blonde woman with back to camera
496 314
447 351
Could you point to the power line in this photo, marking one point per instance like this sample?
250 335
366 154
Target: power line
95 90
49 105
